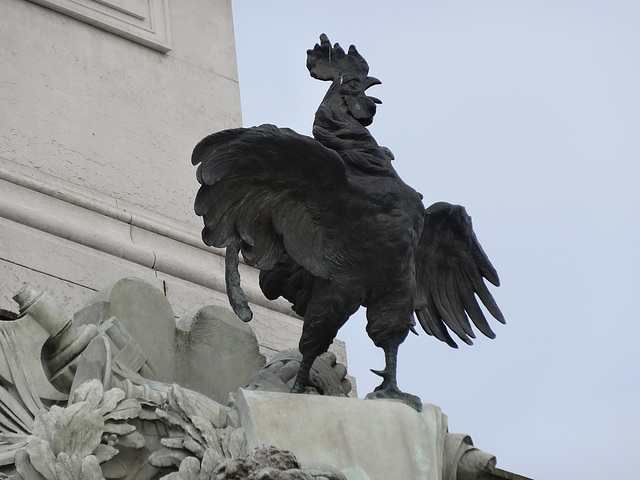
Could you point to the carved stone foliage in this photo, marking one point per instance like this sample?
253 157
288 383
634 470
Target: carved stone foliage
205 443
327 376
198 430
80 399
270 463
71 443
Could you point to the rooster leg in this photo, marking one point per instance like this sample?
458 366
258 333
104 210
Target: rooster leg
330 307
302 379
389 372
389 386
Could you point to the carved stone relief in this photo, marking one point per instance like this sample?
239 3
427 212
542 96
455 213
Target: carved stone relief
141 21
80 401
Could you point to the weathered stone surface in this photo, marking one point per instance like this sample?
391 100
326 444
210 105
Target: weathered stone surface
216 352
327 376
363 439
72 442
21 363
70 272
147 316
196 429
111 130
271 457
271 463
352 435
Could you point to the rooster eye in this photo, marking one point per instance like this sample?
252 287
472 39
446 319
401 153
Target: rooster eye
354 85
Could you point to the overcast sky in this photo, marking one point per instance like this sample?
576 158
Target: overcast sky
527 113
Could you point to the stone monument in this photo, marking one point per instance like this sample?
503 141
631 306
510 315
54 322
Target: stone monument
117 358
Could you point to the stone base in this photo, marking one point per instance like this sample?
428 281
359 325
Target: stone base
365 439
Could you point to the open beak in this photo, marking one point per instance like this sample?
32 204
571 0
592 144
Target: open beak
370 82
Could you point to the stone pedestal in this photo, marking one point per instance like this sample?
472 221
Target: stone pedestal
364 439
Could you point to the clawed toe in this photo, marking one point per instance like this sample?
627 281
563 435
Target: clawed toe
394 393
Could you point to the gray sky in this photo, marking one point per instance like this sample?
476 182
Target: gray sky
527 113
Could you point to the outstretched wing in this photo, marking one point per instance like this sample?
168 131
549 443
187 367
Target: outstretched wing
450 267
273 189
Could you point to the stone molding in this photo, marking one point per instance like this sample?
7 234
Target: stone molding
110 226
141 21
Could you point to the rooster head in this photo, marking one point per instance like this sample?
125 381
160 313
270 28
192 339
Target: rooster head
349 74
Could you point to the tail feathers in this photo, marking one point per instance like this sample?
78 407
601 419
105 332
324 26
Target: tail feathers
236 295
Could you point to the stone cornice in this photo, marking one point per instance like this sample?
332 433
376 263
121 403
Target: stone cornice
110 226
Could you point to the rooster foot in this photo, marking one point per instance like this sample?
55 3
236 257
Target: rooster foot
302 377
298 388
392 392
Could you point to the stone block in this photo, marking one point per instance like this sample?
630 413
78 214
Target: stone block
145 313
365 439
217 353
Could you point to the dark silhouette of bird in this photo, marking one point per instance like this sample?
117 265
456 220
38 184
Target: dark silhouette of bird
331 226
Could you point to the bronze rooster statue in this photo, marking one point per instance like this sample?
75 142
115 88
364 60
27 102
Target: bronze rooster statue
332 226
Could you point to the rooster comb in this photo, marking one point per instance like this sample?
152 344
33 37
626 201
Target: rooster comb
330 63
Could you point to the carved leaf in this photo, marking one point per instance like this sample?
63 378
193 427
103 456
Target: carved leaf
105 453
126 410
90 392
193 404
41 457
25 468
171 419
167 457
225 436
173 442
194 447
79 429
206 428
68 468
119 428
210 460
91 469
45 423
111 400
237 443
132 440
190 469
